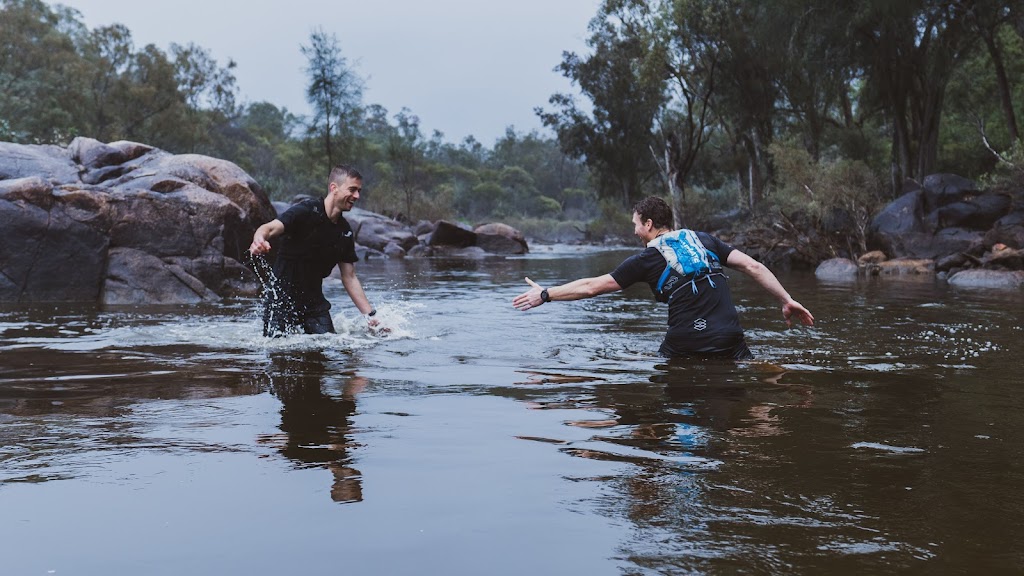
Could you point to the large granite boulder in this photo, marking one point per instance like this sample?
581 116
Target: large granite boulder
124 223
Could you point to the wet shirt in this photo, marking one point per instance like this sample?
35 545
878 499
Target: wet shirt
705 321
309 249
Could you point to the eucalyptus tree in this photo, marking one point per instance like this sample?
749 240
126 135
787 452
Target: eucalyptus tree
612 130
334 91
208 90
37 56
908 51
987 19
106 55
408 169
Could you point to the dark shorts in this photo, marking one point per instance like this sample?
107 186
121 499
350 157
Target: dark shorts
283 318
735 350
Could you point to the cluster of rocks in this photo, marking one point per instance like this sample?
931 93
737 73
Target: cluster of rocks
378 236
125 223
947 228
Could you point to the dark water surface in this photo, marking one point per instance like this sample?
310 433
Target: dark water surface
481 440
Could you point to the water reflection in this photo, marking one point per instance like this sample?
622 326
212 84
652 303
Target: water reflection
316 417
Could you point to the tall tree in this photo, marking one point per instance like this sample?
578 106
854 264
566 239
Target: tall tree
37 55
909 50
614 135
334 91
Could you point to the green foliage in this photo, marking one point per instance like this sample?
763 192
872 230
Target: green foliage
614 223
335 93
839 196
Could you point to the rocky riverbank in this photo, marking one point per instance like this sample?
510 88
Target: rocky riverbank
125 223
947 228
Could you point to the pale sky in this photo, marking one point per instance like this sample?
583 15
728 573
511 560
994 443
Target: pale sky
462 66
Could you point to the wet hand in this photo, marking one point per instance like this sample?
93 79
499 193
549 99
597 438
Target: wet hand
791 308
259 245
376 328
529 299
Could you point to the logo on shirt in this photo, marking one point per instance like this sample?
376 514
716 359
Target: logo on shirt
700 324
348 234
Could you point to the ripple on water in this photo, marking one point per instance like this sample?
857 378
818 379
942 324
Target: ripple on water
887 448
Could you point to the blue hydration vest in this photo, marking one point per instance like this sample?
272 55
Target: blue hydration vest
687 262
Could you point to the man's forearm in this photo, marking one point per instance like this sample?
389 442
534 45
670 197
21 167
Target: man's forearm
583 288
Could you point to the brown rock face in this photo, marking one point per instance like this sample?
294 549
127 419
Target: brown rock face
124 223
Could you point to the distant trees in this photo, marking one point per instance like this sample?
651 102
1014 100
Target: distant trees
705 88
59 80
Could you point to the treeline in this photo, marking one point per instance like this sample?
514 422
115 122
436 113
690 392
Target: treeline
59 80
792 106
804 112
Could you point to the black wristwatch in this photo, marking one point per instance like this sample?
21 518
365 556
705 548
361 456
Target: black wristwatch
544 296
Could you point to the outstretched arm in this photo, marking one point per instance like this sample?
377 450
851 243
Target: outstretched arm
260 240
575 290
763 276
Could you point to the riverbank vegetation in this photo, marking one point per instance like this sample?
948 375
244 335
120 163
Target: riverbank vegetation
793 113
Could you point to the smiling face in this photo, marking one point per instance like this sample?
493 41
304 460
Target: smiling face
644 229
346 193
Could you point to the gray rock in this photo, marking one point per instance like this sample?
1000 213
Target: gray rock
393 250
135 277
939 190
452 235
93 154
896 222
837 269
988 279
500 238
51 163
423 227
498 244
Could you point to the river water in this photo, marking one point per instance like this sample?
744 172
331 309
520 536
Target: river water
476 439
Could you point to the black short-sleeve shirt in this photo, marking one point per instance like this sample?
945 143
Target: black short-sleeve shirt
704 321
310 248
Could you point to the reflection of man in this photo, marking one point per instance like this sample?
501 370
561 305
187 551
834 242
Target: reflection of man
684 269
314 237
317 423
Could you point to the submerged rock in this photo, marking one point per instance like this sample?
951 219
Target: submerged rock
993 279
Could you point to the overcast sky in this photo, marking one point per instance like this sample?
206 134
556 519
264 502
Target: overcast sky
462 66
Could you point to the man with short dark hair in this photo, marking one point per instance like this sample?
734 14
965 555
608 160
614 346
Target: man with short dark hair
314 237
684 270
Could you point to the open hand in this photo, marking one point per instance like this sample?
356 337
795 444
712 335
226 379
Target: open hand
794 308
529 299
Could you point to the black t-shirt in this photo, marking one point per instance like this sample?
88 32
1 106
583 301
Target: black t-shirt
309 249
705 321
